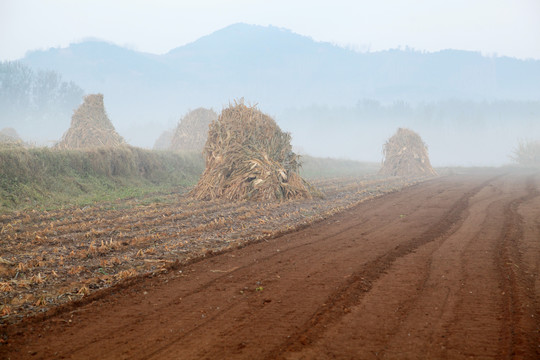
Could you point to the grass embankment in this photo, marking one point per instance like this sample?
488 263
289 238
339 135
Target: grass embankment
44 178
47 178
325 168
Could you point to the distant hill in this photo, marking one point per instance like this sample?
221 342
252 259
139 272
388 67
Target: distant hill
280 70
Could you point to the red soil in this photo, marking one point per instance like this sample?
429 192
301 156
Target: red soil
444 269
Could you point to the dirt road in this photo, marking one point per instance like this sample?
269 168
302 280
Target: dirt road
444 269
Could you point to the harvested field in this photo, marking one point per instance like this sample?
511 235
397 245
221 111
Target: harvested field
446 269
53 257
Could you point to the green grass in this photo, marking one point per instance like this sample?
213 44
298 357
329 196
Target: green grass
45 178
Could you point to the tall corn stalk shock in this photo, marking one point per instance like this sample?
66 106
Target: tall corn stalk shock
249 157
192 130
90 127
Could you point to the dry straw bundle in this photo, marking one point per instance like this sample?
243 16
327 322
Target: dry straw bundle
9 137
163 142
405 154
249 157
90 127
192 131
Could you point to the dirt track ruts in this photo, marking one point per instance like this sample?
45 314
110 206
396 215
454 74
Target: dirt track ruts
444 269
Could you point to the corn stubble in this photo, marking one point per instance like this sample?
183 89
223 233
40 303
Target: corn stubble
100 245
248 157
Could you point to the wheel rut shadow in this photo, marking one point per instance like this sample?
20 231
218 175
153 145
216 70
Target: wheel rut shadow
522 331
351 292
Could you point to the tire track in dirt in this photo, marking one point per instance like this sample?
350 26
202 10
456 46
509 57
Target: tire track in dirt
328 238
520 308
350 293
471 321
429 316
144 238
123 320
441 300
314 281
237 271
220 278
313 257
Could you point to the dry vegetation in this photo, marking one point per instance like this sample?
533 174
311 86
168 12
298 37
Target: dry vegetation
10 138
54 257
163 142
249 157
192 130
527 153
405 154
90 127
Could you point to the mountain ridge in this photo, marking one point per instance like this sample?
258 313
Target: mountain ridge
241 52
278 69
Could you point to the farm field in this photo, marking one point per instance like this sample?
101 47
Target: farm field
445 268
59 256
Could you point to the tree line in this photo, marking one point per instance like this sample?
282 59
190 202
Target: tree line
36 101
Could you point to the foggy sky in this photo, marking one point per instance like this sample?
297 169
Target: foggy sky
493 27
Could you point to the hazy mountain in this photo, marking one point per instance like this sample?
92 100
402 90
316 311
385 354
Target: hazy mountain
279 70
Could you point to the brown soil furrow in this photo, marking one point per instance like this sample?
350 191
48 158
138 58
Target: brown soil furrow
520 306
331 241
351 293
440 301
469 325
112 244
412 274
299 272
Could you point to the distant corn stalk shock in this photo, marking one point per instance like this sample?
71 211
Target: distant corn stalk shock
249 157
192 130
405 154
90 127
10 138
163 142
527 153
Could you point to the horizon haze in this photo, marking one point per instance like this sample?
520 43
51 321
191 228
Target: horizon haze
335 102
339 96
491 27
